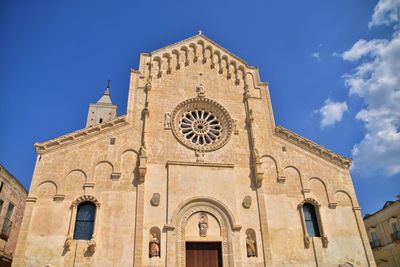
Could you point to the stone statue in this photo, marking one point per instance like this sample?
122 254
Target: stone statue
154 246
201 92
167 120
203 224
251 247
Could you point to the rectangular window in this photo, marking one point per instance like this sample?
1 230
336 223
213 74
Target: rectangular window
5 231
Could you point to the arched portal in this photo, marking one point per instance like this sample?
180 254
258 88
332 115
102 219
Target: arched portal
176 230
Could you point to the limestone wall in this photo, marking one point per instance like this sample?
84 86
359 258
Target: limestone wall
250 186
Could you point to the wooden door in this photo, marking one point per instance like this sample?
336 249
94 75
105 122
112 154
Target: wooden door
203 254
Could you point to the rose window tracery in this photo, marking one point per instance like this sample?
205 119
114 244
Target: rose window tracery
201 124
200 127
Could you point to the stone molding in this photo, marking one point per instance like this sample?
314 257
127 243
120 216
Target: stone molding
79 135
306 237
85 198
312 147
201 164
176 229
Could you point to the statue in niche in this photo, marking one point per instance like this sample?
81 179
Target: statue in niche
154 246
250 246
203 224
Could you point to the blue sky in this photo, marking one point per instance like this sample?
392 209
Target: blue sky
325 83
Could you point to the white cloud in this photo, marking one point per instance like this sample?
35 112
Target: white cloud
386 12
376 79
331 112
316 55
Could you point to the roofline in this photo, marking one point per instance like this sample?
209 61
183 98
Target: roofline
312 147
209 40
367 216
69 138
15 178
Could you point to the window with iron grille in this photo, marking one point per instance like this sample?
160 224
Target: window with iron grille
84 223
310 219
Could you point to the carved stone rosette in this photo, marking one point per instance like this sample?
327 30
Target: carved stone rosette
201 124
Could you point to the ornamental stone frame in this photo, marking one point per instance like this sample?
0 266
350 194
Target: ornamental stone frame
306 237
202 105
176 254
72 222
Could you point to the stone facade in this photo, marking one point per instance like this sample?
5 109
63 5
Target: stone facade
383 228
196 158
12 205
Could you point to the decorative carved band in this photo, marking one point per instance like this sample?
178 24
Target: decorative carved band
85 198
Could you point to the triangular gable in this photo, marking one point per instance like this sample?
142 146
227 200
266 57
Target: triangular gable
207 42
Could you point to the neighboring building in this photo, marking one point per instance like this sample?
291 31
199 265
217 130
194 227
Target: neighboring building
383 229
12 205
195 174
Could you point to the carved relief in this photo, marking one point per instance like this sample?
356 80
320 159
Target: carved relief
235 127
91 246
203 224
85 198
247 202
68 244
155 199
167 121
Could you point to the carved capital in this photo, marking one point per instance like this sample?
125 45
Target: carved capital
68 244
325 241
307 241
91 245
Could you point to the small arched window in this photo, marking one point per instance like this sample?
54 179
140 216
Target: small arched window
310 219
85 219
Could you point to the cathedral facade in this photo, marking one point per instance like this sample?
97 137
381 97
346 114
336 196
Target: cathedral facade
195 174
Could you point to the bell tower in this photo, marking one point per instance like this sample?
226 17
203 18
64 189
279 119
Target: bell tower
103 110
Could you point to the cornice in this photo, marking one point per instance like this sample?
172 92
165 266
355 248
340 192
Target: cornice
201 164
79 135
312 147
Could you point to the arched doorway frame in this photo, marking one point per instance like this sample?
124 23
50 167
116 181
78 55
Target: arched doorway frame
176 229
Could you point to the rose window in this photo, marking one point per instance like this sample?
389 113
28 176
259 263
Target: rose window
201 123
200 127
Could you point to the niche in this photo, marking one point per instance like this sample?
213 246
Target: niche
154 243
251 243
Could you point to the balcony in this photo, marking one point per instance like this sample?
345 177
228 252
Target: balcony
396 236
5 231
375 243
